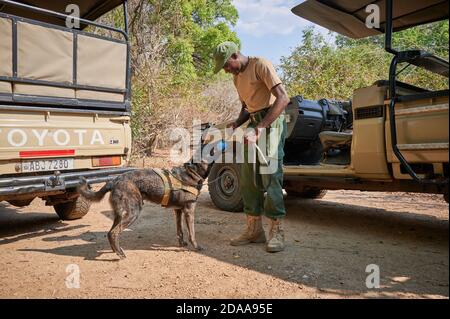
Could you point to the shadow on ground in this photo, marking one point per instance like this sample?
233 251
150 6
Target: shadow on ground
329 245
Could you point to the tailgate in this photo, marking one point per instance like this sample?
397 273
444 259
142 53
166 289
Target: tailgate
41 140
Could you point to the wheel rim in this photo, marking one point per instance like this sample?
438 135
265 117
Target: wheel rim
227 182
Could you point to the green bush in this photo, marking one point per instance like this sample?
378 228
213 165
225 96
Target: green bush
318 68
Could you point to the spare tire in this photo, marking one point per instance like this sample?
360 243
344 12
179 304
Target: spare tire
73 209
20 202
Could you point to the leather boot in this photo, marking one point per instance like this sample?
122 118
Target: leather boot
253 234
276 236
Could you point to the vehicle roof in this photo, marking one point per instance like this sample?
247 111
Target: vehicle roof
89 9
348 17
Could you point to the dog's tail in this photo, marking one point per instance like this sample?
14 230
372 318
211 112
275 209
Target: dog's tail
91 195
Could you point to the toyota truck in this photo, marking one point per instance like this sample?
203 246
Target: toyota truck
65 101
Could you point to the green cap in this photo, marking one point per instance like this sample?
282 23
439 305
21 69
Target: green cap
222 53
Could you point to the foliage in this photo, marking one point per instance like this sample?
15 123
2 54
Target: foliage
171 60
172 82
187 32
317 68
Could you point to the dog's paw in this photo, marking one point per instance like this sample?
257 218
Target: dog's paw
199 248
182 244
121 255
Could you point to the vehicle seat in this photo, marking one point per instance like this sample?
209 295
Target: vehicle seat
339 140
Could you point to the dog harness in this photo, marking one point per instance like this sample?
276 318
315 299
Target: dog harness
171 183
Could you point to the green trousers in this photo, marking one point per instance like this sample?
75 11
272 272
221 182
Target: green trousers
256 180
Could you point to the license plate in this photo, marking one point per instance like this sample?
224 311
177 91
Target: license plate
50 164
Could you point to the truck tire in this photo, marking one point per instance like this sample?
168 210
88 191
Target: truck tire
314 193
74 209
225 188
20 202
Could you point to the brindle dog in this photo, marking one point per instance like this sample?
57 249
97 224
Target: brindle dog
130 189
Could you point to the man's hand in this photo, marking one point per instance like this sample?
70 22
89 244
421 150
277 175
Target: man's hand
253 135
242 118
232 125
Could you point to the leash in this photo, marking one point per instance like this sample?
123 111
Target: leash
261 154
256 168
214 180
223 145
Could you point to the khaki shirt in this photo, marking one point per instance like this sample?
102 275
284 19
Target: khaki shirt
254 85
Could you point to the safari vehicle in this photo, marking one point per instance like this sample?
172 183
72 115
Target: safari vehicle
64 102
391 136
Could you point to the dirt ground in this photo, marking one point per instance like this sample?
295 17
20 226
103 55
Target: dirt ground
329 242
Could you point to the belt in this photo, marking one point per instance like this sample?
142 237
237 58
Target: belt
262 110
253 115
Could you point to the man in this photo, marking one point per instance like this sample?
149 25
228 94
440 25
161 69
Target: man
263 100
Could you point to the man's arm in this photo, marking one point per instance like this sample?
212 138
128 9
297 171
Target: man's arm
243 117
282 100
275 110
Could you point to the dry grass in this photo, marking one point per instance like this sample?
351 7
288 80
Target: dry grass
155 119
159 159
